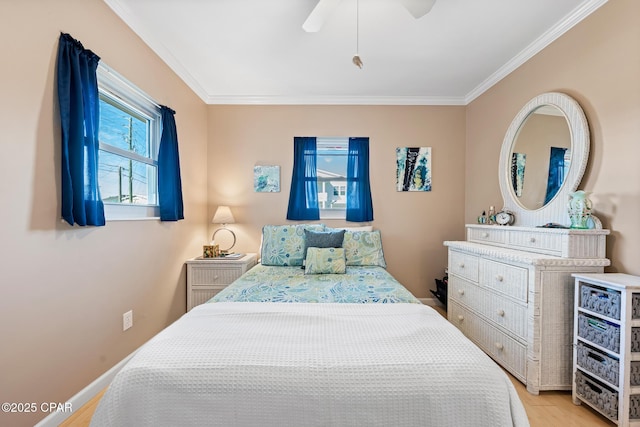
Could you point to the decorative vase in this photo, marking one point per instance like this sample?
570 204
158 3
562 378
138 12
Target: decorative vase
579 209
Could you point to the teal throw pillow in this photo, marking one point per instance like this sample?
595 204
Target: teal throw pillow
325 261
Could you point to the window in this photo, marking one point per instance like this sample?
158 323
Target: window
330 179
332 176
129 134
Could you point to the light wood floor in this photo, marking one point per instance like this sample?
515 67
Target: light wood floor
548 409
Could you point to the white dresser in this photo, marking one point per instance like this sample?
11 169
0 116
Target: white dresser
511 292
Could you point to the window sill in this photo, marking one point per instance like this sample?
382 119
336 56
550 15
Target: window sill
116 212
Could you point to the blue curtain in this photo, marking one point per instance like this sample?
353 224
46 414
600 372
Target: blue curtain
556 172
303 196
79 120
359 204
169 181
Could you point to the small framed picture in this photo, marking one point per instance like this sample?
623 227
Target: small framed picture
266 179
210 251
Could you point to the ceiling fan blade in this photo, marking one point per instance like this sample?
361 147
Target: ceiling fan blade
418 8
319 14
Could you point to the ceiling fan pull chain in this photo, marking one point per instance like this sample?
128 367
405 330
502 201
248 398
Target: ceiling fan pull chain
356 59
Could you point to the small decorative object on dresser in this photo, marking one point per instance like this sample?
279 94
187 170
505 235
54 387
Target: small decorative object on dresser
210 251
579 209
606 342
207 277
505 217
510 288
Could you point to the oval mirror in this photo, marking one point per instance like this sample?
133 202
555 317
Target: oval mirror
543 158
540 157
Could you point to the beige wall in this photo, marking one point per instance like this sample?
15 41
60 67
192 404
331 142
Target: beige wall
413 224
598 63
63 289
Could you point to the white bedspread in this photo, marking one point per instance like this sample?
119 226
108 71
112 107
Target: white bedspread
280 364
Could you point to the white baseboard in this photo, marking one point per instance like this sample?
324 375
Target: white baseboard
431 302
54 419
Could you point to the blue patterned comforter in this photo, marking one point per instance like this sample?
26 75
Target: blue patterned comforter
289 284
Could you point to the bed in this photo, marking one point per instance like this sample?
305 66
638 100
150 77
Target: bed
285 347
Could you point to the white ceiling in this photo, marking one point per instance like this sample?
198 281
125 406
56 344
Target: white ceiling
256 52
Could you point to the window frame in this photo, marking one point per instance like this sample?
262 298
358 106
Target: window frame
324 143
120 92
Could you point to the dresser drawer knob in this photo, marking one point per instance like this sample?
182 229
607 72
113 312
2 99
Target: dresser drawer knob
461 265
500 312
461 291
460 317
485 234
499 278
532 239
499 346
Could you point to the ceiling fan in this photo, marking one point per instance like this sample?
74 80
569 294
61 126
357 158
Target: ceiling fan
317 17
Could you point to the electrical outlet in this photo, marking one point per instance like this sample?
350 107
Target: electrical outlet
127 320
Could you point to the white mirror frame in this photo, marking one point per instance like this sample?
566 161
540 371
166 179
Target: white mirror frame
556 210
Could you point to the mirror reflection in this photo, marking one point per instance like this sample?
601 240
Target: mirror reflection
540 157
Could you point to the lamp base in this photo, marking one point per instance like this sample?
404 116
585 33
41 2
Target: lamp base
225 250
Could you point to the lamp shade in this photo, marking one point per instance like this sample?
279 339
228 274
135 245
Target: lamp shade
223 215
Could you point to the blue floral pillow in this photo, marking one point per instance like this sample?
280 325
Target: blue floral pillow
325 261
283 245
364 248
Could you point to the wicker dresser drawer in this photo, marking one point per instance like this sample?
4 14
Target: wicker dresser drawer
497 344
464 265
466 293
507 313
491 235
457 315
537 242
504 349
505 278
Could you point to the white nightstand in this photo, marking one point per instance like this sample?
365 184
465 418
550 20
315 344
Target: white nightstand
207 277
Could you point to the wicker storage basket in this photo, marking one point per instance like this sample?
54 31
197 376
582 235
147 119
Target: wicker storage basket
635 306
634 374
601 301
634 407
599 395
598 331
598 363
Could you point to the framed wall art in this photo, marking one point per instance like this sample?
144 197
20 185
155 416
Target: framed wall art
266 179
413 169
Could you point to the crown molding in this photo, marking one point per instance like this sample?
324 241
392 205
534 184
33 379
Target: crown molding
571 20
157 46
332 100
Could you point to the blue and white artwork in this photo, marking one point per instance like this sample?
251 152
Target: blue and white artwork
414 169
518 162
266 179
